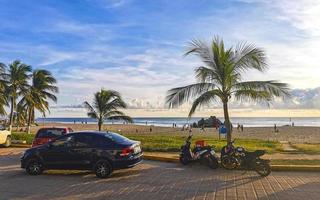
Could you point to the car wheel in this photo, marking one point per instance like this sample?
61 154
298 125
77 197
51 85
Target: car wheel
103 169
34 167
8 142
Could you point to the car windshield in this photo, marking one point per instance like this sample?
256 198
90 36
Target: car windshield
115 137
52 132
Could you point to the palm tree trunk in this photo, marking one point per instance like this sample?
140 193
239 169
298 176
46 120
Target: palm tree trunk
11 114
227 120
29 120
100 122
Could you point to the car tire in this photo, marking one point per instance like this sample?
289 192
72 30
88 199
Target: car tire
34 167
8 142
103 169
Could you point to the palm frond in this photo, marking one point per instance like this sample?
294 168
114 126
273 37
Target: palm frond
204 99
274 88
254 96
91 111
178 96
121 117
247 56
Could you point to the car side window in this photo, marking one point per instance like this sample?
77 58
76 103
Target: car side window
84 140
103 142
64 142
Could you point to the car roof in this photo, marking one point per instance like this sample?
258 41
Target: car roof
102 133
58 127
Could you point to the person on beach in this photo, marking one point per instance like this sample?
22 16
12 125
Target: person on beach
238 127
150 129
241 127
275 127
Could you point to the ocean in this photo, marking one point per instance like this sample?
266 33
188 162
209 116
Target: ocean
180 121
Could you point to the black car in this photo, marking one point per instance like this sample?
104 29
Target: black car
101 152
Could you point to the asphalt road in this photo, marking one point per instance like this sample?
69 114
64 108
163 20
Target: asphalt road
152 181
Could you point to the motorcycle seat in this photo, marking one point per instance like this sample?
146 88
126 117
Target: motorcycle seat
256 153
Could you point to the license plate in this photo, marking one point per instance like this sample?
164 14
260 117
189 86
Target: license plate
137 149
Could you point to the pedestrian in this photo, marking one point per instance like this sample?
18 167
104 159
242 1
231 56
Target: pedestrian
275 127
238 127
292 124
241 127
150 129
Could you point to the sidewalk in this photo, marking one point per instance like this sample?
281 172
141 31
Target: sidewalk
276 156
174 157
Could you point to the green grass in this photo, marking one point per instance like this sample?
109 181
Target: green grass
308 148
172 143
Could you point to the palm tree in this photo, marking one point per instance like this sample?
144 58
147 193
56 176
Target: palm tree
18 76
21 117
41 90
105 107
221 78
3 85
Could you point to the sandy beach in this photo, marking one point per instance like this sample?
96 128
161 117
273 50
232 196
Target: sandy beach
286 133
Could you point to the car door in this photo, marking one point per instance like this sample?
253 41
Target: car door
58 154
84 149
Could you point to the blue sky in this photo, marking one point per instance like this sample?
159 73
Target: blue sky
136 46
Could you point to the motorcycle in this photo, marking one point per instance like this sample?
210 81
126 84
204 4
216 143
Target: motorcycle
201 153
238 158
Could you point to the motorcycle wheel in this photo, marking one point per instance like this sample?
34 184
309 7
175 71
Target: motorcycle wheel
263 169
183 160
227 163
213 162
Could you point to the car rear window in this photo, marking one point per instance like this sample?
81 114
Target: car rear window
115 137
51 133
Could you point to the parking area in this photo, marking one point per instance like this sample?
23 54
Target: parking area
153 180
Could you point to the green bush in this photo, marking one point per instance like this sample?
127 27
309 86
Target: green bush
23 136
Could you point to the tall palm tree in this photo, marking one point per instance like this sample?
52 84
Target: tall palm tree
41 90
3 86
18 76
105 107
221 78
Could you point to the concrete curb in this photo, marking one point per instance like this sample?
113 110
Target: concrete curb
309 168
21 145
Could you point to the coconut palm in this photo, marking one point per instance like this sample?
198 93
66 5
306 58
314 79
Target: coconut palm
41 90
105 107
18 76
221 78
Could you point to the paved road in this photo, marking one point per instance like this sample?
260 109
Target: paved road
153 180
